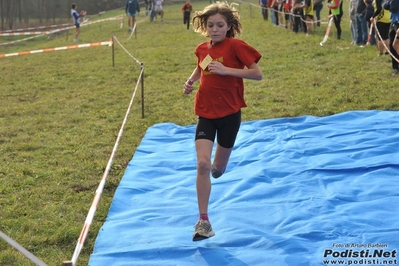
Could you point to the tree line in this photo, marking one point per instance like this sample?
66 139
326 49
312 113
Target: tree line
38 12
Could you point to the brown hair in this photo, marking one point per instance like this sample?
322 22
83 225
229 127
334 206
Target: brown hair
228 12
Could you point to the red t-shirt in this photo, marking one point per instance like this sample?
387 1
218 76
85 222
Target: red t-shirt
219 96
187 8
287 5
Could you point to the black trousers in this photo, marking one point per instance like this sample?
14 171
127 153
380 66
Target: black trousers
186 19
392 36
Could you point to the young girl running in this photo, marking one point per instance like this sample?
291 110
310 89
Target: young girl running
222 64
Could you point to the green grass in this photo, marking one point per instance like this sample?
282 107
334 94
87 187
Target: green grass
61 111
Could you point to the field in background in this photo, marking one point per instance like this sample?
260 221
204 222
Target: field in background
61 111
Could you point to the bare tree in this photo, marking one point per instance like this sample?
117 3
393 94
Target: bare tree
9 9
2 14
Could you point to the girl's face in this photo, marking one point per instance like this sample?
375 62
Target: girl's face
217 28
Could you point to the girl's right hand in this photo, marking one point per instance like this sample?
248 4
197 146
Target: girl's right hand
188 87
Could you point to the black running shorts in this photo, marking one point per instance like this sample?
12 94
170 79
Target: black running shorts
226 129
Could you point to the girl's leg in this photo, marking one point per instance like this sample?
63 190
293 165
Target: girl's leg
222 156
203 183
228 128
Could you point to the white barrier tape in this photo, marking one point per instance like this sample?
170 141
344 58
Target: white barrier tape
21 249
57 30
386 48
102 20
327 31
25 33
370 32
37 28
135 59
109 43
46 26
21 40
133 31
48 33
96 200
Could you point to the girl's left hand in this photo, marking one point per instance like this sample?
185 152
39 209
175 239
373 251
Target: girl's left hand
217 68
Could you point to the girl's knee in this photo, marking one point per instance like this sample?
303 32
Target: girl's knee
204 165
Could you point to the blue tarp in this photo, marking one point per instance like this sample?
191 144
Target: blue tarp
297 191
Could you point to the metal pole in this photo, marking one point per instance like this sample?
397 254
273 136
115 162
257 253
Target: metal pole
113 52
142 90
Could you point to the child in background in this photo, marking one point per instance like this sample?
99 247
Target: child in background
222 64
287 4
187 9
76 19
132 7
159 8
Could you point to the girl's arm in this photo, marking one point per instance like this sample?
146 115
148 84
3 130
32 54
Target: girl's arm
252 72
188 85
195 75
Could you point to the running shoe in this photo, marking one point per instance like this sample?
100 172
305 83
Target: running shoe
203 230
217 173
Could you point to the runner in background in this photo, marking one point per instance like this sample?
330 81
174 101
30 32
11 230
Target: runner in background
187 9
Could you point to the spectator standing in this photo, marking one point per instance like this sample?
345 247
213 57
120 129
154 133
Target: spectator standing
147 4
335 8
297 14
275 6
265 12
393 7
270 7
287 4
381 19
318 6
281 12
361 25
352 17
308 11
367 16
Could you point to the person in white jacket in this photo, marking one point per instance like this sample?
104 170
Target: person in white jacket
352 24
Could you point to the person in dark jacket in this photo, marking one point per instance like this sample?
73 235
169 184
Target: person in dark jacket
367 16
318 6
361 24
132 7
393 7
